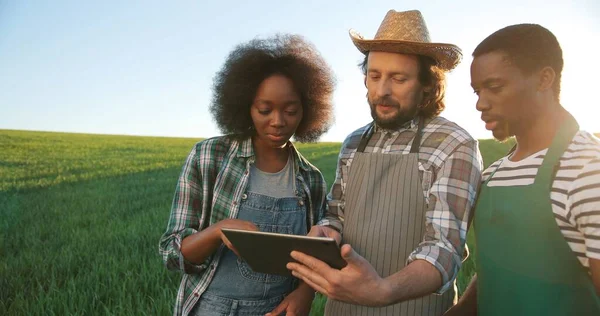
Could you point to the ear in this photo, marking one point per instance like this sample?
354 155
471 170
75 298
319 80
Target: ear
546 78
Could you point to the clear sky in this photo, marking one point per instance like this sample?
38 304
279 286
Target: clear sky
146 67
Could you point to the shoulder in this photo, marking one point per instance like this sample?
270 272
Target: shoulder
215 148
351 142
302 162
584 154
443 138
218 143
584 146
445 131
581 156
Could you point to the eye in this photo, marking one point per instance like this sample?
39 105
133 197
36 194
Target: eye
495 89
374 77
399 80
476 92
264 112
292 112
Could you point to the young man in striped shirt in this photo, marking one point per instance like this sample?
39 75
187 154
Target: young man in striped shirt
537 218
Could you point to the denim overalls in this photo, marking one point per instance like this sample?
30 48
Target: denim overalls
235 288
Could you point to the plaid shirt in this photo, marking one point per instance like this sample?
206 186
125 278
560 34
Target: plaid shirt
450 169
210 188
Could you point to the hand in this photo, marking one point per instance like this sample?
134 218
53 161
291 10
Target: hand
459 310
357 283
235 224
297 303
324 231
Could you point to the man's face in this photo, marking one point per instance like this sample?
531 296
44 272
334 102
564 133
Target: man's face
505 94
393 88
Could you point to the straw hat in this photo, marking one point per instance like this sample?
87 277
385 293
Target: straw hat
406 33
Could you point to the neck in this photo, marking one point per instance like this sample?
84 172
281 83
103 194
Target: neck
538 133
269 159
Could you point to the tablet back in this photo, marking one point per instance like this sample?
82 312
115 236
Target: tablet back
270 252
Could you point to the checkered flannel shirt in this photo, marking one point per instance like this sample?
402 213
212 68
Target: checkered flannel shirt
210 188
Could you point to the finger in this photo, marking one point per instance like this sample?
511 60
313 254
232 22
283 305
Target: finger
307 275
350 255
311 262
279 309
310 283
335 235
251 226
228 244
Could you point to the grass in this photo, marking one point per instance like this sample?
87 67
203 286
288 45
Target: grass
81 215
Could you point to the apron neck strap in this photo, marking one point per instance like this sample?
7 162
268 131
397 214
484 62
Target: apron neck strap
414 148
560 143
364 139
416 144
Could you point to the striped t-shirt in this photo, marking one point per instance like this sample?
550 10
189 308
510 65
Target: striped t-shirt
575 192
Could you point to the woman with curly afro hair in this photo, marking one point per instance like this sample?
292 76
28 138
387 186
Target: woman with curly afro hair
253 178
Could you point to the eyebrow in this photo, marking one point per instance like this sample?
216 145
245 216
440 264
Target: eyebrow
488 82
287 103
392 73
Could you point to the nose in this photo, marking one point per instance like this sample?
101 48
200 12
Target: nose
383 88
482 104
277 120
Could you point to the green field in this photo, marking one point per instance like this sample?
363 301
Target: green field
81 215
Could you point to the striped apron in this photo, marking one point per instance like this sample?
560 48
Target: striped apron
385 221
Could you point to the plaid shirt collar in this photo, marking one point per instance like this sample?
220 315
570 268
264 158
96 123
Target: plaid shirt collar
246 150
412 124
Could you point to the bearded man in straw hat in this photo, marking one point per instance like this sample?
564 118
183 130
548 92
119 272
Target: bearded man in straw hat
537 218
404 187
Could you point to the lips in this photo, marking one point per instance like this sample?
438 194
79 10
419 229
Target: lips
490 122
385 107
277 137
491 125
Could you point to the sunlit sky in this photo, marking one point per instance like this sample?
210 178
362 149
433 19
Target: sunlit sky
146 67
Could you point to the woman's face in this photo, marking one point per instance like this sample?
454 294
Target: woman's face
276 111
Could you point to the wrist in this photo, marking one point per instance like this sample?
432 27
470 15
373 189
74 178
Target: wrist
302 286
387 294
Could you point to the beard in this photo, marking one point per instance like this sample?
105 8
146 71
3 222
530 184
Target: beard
395 121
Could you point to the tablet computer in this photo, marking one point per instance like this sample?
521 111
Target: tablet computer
270 252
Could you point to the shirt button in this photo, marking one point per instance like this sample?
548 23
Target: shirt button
234 202
246 172
244 196
196 294
301 202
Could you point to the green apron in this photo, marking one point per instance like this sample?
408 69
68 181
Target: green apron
524 264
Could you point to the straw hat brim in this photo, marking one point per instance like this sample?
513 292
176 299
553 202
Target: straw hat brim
448 56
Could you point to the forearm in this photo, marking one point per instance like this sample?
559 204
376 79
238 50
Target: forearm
198 247
418 279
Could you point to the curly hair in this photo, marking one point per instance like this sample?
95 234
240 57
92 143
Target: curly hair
249 64
430 75
530 47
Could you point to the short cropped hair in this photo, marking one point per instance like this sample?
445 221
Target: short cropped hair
530 47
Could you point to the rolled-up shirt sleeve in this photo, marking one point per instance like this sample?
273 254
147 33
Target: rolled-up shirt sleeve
334 213
184 219
451 199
